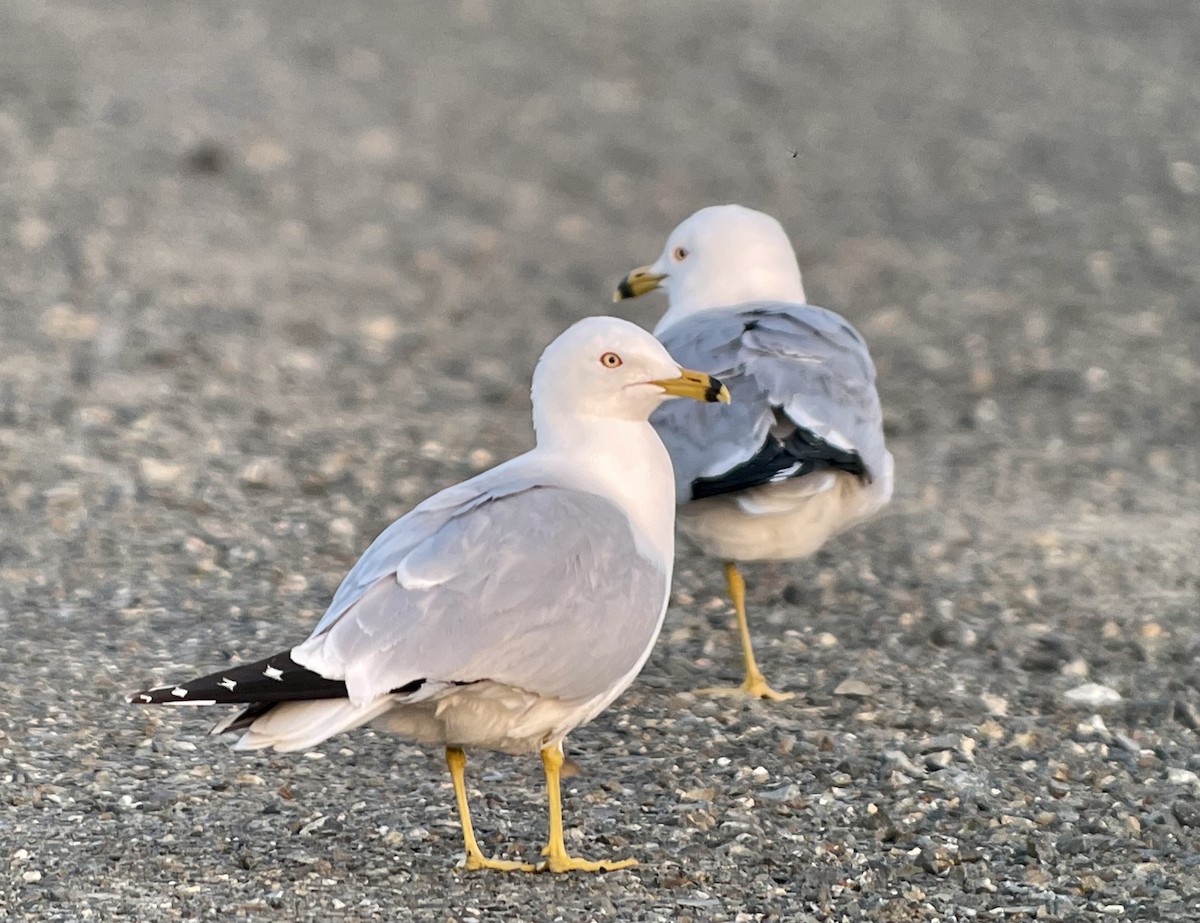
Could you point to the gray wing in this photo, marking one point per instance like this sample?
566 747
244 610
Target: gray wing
416 526
804 399
542 589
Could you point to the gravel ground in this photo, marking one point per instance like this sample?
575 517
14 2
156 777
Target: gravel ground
271 272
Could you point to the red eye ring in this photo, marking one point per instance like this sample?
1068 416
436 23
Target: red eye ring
610 360
679 254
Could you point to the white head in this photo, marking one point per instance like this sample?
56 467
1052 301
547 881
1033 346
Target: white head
609 368
722 255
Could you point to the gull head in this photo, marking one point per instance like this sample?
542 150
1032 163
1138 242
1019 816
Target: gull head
722 255
607 367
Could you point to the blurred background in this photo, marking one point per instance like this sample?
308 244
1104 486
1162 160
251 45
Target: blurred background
272 272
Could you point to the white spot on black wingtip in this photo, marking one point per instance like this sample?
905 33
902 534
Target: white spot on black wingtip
228 683
140 697
786 473
273 673
179 692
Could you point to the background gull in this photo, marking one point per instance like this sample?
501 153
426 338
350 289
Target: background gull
509 609
799 455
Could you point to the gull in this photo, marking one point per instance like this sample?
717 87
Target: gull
799 455
507 610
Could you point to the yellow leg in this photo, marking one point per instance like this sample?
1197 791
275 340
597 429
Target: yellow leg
555 852
456 760
755 684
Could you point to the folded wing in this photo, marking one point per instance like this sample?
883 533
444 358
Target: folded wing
542 589
804 399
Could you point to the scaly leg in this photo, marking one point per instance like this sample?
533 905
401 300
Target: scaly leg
456 760
755 684
555 852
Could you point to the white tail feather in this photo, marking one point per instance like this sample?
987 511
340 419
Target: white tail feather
301 725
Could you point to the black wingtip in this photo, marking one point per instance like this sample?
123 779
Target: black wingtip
779 460
274 679
243 719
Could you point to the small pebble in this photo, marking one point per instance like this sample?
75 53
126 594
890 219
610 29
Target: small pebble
263 473
1092 695
1178 776
855 688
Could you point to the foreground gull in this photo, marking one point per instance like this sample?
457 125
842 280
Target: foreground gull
504 611
799 455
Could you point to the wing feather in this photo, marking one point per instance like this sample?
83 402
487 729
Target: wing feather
416 528
543 589
804 399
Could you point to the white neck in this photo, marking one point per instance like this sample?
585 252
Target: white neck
623 461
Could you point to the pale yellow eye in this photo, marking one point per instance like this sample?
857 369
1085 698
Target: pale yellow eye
610 360
679 254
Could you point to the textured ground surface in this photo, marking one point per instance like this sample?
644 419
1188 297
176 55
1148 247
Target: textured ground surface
272 272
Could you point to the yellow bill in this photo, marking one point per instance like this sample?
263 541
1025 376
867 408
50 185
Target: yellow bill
696 385
638 282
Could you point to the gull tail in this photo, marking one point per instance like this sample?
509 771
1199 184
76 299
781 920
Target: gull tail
288 706
300 725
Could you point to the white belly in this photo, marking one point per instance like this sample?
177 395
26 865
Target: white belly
484 714
780 522
489 715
